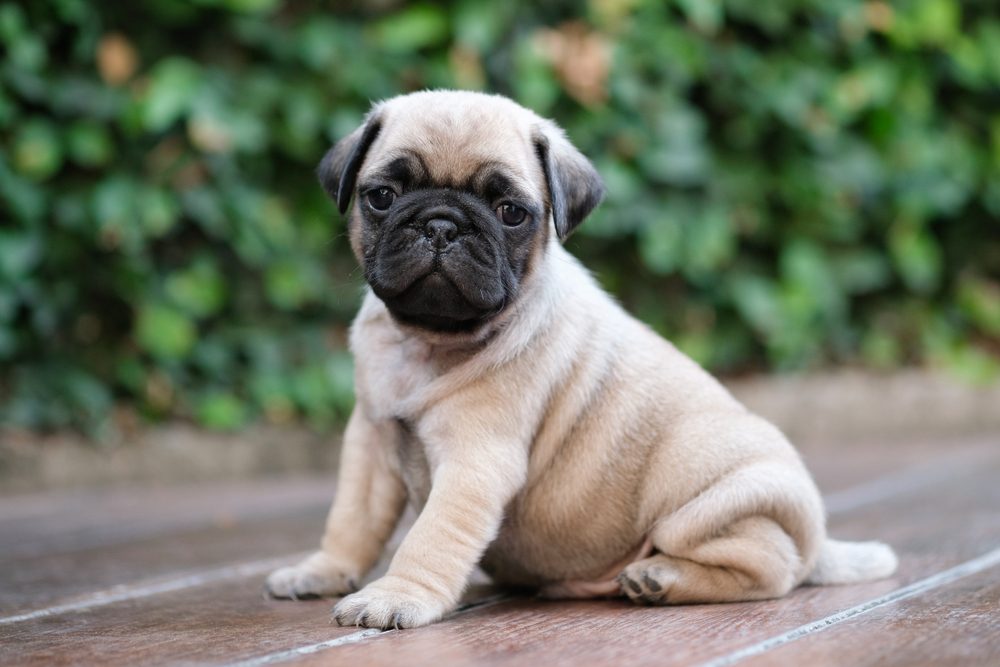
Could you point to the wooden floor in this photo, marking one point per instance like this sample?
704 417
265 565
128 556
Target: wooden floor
174 575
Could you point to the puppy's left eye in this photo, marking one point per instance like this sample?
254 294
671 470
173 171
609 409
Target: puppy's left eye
381 199
511 215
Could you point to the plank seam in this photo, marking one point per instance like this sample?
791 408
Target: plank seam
353 638
125 592
300 651
984 562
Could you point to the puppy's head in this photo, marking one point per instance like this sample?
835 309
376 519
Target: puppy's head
455 197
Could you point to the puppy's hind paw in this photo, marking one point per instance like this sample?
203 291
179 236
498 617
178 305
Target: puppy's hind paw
647 582
316 576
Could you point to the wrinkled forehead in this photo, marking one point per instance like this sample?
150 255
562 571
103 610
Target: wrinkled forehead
483 148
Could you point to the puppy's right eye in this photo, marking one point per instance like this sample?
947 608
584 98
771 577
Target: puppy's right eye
381 199
511 215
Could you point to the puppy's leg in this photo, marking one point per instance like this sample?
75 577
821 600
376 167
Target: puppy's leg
370 498
754 559
430 569
754 534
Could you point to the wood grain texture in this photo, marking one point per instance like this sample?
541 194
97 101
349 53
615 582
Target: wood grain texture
213 623
921 524
61 577
843 466
218 622
69 521
59 547
937 506
958 624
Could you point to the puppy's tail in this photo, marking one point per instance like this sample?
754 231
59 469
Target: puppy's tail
852 562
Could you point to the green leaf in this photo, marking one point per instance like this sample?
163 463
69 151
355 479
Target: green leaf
936 21
20 253
678 155
881 350
275 223
290 283
861 271
222 411
809 275
174 87
340 370
87 393
661 243
706 15
204 206
995 134
13 22
89 144
8 345
979 298
27 51
164 332
26 200
708 243
252 6
215 357
534 82
318 42
115 212
198 290
130 372
272 391
917 257
311 387
37 152
757 301
215 127
411 29
158 211
972 364
480 25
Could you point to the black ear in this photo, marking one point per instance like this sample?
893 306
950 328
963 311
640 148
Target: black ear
338 170
575 187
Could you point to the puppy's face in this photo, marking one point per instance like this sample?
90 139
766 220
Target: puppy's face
455 197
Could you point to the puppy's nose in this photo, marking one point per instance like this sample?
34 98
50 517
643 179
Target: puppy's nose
440 232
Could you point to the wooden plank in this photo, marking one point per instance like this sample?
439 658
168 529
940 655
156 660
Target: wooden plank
29 583
71 521
65 547
579 634
954 625
863 473
841 466
208 624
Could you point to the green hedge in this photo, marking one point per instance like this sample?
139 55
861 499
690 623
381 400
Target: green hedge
792 184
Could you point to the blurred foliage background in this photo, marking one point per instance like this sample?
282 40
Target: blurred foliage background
792 184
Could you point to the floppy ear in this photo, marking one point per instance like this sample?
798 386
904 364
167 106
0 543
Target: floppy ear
575 187
338 170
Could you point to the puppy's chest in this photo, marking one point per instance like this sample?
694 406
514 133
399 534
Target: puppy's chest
391 383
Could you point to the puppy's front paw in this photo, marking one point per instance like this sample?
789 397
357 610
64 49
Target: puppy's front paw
390 602
319 575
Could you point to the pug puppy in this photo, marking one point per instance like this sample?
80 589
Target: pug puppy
538 429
